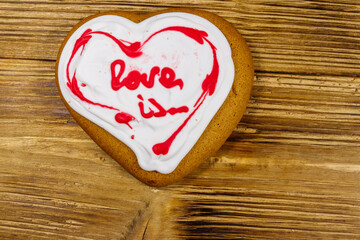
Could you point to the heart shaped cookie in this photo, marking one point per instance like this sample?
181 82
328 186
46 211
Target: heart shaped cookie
160 93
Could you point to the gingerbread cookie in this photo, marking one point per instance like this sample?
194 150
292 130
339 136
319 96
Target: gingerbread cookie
160 93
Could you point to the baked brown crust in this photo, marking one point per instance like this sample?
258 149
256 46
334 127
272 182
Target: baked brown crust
218 130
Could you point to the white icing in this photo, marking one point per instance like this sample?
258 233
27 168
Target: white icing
190 60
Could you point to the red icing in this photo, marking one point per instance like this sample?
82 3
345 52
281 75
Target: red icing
163 148
83 84
174 111
76 90
161 111
132 50
195 34
123 117
140 97
167 79
134 78
132 136
72 84
209 84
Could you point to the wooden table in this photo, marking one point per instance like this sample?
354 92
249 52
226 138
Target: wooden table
290 170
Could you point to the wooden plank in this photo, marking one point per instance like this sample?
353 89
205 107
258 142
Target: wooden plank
281 173
290 170
308 37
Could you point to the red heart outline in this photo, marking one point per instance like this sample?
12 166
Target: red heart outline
133 50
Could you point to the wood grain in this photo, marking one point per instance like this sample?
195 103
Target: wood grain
290 170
